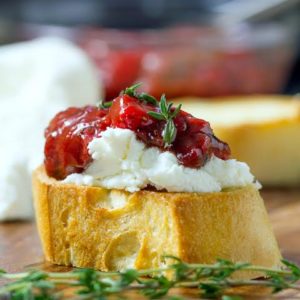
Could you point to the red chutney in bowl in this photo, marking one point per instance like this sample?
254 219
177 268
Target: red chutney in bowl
155 123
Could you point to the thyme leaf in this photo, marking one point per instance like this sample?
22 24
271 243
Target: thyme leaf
131 91
144 97
156 115
147 98
105 104
169 132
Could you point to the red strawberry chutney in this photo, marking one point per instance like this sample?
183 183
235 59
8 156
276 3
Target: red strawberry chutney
70 132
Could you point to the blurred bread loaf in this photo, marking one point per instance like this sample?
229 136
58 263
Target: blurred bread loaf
105 229
263 131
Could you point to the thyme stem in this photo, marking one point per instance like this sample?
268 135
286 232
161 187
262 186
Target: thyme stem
212 280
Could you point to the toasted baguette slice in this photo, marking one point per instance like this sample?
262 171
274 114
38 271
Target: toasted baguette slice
263 131
105 229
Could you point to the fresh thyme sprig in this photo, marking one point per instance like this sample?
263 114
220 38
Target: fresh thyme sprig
167 113
211 280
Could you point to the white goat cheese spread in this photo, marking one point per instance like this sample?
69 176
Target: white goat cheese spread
120 161
37 80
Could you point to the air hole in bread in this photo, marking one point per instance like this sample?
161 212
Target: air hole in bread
64 217
122 251
117 199
113 199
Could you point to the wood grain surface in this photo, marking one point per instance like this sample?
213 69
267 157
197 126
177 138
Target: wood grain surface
20 247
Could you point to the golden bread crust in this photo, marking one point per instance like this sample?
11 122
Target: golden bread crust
106 229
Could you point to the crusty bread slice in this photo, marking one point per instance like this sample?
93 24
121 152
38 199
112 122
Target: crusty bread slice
112 230
263 131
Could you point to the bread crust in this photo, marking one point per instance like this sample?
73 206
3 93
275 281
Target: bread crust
94 227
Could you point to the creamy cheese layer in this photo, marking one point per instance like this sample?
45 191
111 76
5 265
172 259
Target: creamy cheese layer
120 161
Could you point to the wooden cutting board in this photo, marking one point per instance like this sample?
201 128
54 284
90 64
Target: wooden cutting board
20 246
